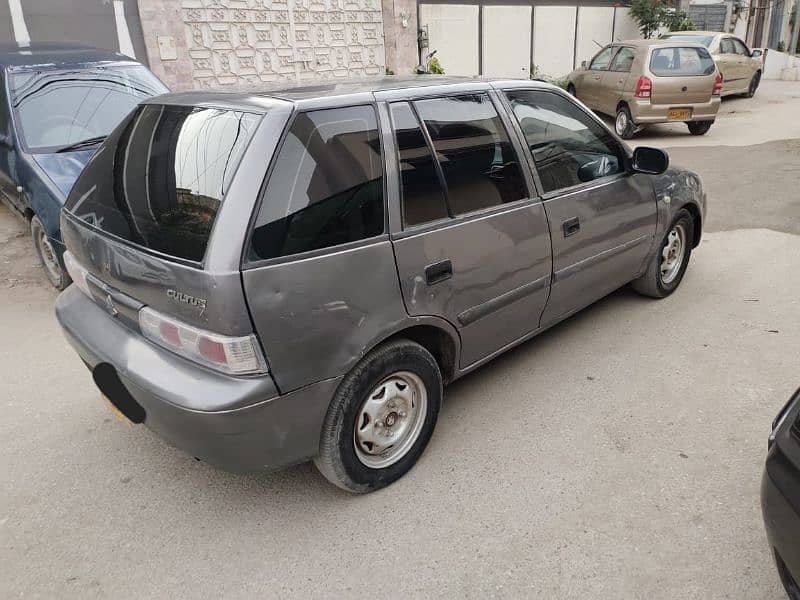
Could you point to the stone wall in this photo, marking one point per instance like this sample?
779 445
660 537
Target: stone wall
211 43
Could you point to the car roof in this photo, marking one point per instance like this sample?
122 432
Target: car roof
657 42
260 97
55 54
697 32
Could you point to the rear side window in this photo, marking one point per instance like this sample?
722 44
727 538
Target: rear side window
681 62
160 179
480 166
421 191
326 186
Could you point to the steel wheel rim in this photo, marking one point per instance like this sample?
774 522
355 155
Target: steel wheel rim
390 420
621 123
48 255
673 253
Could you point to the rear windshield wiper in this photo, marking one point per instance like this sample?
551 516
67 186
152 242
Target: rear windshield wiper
92 141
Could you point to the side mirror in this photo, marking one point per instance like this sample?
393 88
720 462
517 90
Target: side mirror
757 52
650 160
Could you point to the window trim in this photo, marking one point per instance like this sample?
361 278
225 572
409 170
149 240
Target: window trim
516 147
626 158
245 262
698 50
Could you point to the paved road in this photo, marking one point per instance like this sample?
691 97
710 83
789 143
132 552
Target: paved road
616 456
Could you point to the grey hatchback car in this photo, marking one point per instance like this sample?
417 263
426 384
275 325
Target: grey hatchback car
268 278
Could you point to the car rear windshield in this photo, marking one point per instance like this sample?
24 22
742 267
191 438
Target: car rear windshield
681 62
161 177
705 40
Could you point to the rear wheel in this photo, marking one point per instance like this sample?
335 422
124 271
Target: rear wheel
667 267
47 256
623 124
699 127
381 418
751 90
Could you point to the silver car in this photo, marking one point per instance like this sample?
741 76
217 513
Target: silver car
269 278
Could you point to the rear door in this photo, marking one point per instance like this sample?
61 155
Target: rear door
681 75
473 247
602 219
592 91
8 185
615 80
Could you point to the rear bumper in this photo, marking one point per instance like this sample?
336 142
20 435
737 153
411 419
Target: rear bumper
643 111
780 505
235 423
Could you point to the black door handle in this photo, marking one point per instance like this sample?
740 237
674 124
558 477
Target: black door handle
438 272
571 226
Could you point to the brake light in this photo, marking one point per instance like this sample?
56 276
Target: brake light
644 87
76 272
229 354
717 89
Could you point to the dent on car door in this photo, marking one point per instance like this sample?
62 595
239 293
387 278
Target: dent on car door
602 219
474 248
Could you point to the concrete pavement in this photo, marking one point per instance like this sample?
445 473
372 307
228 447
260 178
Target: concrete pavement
618 455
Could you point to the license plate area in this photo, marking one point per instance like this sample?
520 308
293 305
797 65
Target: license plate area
679 114
116 394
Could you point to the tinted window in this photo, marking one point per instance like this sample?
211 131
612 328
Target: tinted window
56 108
726 46
568 146
326 186
705 40
480 167
740 48
623 61
681 62
159 180
420 188
601 60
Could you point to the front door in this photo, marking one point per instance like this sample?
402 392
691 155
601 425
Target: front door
602 219
474 247
730 65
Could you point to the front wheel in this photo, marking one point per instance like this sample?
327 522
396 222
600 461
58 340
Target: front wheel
751 89
623 124
381 418
47 256
667 267
699 127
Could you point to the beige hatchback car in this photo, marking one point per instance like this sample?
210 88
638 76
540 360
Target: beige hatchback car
640 82
740 66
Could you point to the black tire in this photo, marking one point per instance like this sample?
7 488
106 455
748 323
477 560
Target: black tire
751 90
51 263
653 283
789 584
623 123
338 459
699 127
571 90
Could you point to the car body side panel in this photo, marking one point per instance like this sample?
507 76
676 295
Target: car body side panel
317 316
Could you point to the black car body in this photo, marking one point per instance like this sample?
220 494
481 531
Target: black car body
780 494
57 103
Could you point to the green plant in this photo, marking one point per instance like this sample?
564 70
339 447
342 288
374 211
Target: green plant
435 67
653 14
536 73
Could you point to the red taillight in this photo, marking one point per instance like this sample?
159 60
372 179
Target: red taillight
644 87
717 89
169 333
212 350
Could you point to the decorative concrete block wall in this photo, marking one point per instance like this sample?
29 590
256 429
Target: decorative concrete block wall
225 42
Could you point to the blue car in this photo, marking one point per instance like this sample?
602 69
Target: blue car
58 102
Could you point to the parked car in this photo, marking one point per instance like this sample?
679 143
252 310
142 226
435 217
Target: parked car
780 494
640 82
57 104
740 66
268 279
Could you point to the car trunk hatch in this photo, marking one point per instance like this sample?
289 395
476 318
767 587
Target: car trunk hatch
682 76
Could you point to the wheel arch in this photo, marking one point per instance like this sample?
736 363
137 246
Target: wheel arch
442 343
697 219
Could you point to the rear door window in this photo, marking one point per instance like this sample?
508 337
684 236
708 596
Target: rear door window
681 62
726 46
480 166
326 186
740 48
568 146
160 179
623 61
421 191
